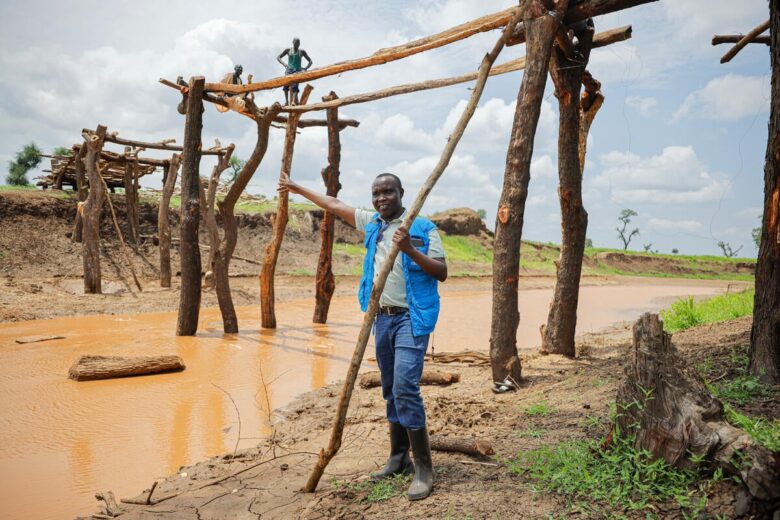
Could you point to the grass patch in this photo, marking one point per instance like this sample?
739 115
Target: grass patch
12 187
763 431
606 482
379 491
742 390
686 313
540 409
466 249
531 433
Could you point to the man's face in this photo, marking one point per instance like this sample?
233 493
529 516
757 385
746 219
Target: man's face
296 43
386 197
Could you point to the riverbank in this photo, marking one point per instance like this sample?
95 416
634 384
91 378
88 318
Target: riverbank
560 401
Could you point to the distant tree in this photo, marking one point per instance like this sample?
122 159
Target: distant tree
588 243
62 151
649 248
482 213
26 159
675 251
756 234
727 251
623 235
236 165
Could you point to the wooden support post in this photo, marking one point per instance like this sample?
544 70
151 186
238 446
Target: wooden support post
208 199
263 119
334 443
170 172
131 197
189 252
558 334
765 335
590 104
268 316
325 282
91 213
540 31
81 187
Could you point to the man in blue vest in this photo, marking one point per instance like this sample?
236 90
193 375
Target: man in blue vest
409 307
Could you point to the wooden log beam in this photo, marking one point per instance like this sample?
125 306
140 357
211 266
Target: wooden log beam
602 39
720 39
325 282
131 197
583 11
82 190
429 377
267 303
465 445
208 201
90 213
189 252
382 56
744 41
334 443
91 368
163 226
163 145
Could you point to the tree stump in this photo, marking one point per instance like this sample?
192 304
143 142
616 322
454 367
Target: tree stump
665 404
90 368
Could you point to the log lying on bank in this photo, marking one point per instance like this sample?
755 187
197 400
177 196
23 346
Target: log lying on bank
468 446
665 404
429 377
91 368
468 357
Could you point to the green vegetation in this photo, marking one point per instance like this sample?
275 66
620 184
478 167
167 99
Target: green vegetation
531 433
540 409
763 431
26 159
686 313
608 481
17 187
376 491
466 249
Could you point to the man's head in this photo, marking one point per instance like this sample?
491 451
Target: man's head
296 43
386 194
238 69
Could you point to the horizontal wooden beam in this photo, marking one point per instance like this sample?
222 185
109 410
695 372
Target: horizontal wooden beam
600 40
720 39
749 37
121 159
153 146
460 32
583 11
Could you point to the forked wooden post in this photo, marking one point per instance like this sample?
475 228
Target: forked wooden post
189 252
268 315
325 283
208 200
334 444
131 195
83 192
91 213
170 172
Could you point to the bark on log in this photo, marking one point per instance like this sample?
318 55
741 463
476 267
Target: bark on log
90 368
720 39
82 190
429 377
511 208
170 173
226 210
744 41
765 335
91 211
325 283
334 443
460 32
189 252
558 334
267 313
665 404
468 446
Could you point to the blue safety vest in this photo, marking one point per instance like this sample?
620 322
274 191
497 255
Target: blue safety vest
422 295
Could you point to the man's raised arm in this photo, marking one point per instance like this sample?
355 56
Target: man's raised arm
326 202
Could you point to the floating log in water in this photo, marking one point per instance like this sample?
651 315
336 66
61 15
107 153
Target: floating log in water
37 339
90 368
429 377
467 445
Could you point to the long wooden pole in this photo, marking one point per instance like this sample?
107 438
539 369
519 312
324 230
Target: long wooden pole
268 314
744 41
379 283
90 213
720 39
163 145
163 226
189 252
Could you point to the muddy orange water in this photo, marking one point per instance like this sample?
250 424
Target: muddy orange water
60 441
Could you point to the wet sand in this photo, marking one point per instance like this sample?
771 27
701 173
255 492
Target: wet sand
65 440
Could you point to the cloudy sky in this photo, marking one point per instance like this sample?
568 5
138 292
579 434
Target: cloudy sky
680 139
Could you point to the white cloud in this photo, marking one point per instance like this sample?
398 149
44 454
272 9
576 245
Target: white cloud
699 21
399 131
660 224
728 98
643 105
676 176
543 168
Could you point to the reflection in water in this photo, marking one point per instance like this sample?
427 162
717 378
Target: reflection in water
64 440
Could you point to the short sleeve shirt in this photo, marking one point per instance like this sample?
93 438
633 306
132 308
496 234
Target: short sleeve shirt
394 294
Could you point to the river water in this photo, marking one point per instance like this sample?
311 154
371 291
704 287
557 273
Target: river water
61 441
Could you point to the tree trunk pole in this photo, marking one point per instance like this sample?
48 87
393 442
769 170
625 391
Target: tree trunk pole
91 213
268 315
334 443
558 334
209 200
189 252
81 186
540 30
765 336
263 119
131 208
170 172
325 283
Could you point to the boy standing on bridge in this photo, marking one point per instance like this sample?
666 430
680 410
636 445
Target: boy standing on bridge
409 308
293 66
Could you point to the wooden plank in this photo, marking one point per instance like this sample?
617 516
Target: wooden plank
744 41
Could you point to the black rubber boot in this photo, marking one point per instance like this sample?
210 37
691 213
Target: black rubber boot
422 485
399 461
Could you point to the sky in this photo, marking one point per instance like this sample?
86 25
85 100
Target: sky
680 139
